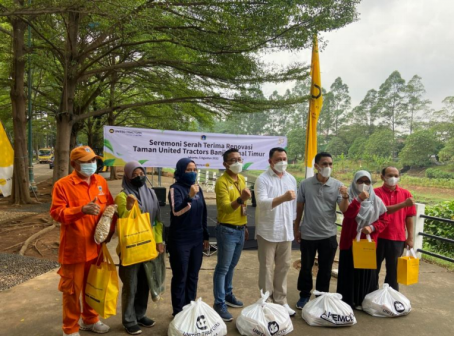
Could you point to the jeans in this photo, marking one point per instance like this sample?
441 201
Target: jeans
230 244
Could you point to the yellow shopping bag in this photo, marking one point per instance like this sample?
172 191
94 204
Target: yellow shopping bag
364 253
408 268
101 290
137 243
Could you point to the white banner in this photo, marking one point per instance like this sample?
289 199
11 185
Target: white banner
157 148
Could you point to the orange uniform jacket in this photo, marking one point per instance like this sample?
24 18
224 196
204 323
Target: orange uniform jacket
77 229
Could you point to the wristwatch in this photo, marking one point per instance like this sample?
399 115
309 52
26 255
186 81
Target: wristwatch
240 201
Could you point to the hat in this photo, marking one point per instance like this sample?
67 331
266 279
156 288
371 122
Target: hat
83 153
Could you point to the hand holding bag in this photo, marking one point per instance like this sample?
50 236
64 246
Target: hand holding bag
364 252
408 268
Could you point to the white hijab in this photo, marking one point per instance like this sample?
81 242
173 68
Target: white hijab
370 209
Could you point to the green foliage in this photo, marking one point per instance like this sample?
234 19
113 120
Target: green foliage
438 173
380 143
446 153
418 149
357 148
427 182
296 144
336 146
438 228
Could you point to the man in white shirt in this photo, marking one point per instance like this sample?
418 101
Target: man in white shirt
275 192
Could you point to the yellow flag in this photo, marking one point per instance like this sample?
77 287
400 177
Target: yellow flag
311 144
6 163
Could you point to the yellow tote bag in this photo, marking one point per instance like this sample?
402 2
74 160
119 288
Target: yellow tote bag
137 243
364 252
408 268
101 290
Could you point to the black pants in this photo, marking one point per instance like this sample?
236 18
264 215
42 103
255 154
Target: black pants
354 284
390 251
186 260
326 249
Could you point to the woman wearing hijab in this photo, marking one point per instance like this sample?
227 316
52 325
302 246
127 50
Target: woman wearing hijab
188 234
367 214
135 286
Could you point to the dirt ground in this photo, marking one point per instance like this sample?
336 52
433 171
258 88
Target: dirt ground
19 223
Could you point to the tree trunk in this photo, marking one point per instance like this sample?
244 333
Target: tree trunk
62 146
65 118
21 190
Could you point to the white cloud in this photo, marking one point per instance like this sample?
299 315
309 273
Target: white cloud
411 36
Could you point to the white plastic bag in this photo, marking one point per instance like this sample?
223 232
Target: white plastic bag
264 319
328 310
197 319
104 224
386 302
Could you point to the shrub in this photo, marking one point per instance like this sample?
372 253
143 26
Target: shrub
442 229
438 173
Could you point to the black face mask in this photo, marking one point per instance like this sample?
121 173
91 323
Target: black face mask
139 181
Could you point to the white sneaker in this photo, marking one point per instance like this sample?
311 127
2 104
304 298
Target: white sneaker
288 308
72 334
98 327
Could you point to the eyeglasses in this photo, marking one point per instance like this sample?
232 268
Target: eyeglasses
235 160
366 182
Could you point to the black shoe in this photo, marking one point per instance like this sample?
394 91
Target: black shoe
146 322
133 330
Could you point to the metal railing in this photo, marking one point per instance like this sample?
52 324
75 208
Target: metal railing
419 234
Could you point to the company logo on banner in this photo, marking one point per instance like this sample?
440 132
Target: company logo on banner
156 148
6 164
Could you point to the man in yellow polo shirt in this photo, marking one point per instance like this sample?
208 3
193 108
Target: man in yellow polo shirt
231 232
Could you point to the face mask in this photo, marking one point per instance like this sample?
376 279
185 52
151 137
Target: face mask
189 178
392 181
325 172
139 181
362 187
88 169
236 168
281 166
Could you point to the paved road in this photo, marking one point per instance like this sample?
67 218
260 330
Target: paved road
41 172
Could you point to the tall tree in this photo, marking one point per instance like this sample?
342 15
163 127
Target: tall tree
414 100
197 58
391 104
366 113
341 102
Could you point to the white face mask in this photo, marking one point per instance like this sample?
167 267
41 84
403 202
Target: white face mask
281 166
325 172
236 168
362 187
392 181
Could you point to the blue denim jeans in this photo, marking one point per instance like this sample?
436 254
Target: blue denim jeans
230 244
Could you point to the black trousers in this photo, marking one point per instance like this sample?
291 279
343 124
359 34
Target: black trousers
390 251
326 249
186 260
354 284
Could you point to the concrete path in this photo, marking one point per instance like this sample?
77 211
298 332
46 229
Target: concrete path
34 307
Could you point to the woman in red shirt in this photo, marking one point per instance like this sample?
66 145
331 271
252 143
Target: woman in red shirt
367 214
